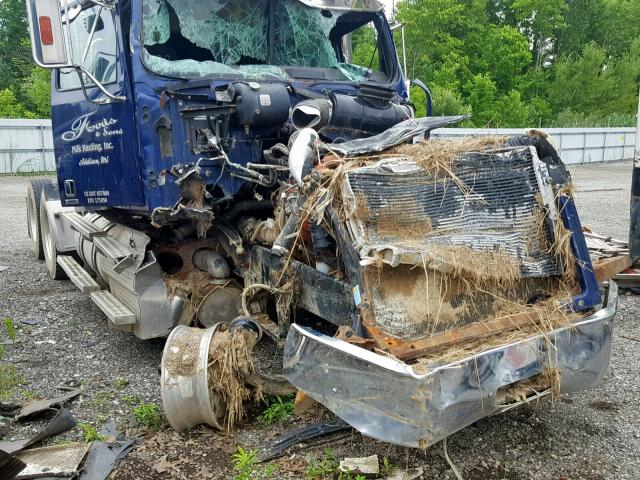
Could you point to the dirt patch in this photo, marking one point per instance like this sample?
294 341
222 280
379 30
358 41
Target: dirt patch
605 406
496 471
182 357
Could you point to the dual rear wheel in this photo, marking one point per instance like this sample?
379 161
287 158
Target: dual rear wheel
43 241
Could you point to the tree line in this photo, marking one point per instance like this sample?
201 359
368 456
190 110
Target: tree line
509 63
514 63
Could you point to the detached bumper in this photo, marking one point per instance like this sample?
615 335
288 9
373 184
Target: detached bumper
385 399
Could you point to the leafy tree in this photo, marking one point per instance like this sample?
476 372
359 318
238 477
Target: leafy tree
594 84
541 20
38 92
11 108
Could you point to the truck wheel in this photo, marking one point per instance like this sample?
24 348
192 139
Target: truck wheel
34 191
47 239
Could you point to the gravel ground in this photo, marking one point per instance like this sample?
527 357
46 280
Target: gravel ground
590 435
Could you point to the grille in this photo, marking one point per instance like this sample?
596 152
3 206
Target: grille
398 213
398 207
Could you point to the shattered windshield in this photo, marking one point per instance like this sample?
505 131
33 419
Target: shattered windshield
248 40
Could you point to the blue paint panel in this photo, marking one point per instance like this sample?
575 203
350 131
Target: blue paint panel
589 295
96 145
132 174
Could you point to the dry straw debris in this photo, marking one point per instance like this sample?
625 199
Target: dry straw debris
230 362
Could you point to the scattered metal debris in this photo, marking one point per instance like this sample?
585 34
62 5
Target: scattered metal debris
9 409
10 466
400 474
104 456
54 461
5 426
62 422
303 434
368 466
38 406
30 321
611 259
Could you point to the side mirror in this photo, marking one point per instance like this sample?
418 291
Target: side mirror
420 84
49 42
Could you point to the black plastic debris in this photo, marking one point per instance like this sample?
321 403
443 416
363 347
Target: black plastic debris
62 422
105 456
38 406
10 466
303 434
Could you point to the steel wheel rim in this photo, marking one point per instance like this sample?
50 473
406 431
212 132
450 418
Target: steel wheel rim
32 219
46 237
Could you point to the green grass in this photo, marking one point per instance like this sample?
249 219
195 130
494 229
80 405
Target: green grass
148 415
244 464
321 467
31 395
121 383
387 466
131 400
328 466
11 329
9 380
102 398
90 434
278 411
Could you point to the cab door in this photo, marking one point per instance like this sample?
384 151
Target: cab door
95 140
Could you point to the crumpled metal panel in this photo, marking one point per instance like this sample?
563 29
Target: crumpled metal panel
400 133
388 400
387 199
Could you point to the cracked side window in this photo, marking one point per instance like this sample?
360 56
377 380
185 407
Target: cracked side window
94 46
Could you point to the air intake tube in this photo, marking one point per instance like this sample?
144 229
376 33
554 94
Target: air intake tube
362 113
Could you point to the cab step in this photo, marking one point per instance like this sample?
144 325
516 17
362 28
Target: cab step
78 275
81 225
114 309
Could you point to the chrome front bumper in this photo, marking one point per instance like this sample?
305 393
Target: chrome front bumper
386 399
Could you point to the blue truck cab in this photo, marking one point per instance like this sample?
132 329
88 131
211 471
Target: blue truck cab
248 166
150 75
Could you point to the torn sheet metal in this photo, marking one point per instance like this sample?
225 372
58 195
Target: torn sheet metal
391 401
62 422
38 406
10 466
54 461
105 456
400 133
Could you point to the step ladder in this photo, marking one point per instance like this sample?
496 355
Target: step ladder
78 275
114 309
117 313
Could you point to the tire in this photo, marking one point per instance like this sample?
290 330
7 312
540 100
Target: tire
34 192
47 239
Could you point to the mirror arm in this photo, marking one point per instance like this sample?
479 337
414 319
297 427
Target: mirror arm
108 5
110 98
420 84
91 34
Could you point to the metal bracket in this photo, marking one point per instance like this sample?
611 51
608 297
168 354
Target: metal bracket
589 295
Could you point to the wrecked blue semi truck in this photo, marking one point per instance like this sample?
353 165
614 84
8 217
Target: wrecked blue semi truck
256 167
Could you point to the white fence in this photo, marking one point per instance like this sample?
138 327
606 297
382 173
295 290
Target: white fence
27 145
576 145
